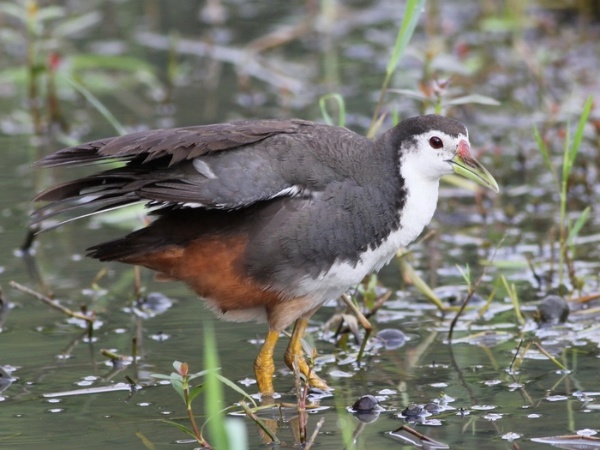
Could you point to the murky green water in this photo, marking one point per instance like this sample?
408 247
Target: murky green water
539 63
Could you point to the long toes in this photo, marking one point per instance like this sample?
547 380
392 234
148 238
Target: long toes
317 382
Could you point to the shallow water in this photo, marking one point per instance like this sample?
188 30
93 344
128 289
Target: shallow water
541 65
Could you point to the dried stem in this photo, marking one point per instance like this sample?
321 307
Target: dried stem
54 304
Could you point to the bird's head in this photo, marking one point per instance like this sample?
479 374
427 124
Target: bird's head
437 146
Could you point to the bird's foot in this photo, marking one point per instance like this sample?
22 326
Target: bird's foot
316 381
294 357
264 367
299 365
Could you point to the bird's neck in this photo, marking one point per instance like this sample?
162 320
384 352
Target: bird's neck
420 201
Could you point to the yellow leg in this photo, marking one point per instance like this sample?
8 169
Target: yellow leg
294 353
264 367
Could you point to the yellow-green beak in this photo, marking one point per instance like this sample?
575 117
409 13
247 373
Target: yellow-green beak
470 168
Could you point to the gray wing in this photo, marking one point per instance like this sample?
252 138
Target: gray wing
312 234
224 166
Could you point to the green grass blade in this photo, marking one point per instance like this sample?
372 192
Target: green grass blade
570 153
511 291
236 388
407 28
345 424
375 126
214 398
96 103
466 274
418 282
544 151
566 168
574 149
471 99
576 228
238 435
337 98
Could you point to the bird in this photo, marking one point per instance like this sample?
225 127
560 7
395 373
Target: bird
268 219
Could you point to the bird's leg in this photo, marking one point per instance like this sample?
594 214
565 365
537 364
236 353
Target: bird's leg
294 353
264 367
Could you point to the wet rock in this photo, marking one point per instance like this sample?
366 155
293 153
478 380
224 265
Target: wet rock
366 409
391 338
366 403
553 310
413 411
151 305
432 408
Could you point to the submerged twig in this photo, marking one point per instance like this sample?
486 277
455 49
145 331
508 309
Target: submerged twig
549 356
259 422
114 357
514 359
409 272
363 321
420 436
588 298
301 395
472 289
54 304
311 441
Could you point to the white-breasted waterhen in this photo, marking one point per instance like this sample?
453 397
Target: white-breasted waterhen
267 219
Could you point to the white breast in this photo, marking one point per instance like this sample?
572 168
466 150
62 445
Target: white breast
418 210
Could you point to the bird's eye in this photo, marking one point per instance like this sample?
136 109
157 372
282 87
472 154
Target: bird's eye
436 142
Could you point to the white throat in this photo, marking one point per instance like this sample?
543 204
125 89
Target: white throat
420 204
421 200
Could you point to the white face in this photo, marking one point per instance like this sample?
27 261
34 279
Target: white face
433 151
